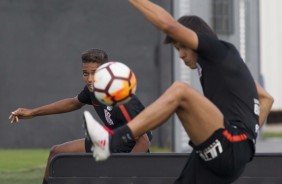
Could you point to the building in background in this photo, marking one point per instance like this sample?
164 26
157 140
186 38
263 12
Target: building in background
41 43
271 47
49 36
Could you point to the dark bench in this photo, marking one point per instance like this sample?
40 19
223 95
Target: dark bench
153 168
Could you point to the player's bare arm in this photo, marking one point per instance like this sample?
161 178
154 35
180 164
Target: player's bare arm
62 106
142 144
166 23
266 101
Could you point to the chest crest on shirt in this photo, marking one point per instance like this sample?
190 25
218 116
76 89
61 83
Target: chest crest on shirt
108 117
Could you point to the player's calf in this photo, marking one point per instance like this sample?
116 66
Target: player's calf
105 141
98 135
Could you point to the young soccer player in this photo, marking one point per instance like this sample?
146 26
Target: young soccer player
222 123
112 117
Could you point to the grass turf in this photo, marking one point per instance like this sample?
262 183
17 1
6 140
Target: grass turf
25 166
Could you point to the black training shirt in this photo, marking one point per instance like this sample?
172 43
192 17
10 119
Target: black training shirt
227 82
113 117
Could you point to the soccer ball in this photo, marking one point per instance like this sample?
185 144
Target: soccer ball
114 83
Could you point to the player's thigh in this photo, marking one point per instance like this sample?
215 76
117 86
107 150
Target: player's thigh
199 116
75 146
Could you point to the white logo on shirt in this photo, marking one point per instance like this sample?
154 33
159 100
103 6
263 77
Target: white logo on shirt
257 128
108 117
256 106
109 108
199 68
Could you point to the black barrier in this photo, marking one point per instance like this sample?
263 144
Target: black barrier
153 168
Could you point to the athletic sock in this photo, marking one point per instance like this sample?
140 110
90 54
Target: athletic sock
120 136
44 181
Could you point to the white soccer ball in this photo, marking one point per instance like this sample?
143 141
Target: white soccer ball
114 83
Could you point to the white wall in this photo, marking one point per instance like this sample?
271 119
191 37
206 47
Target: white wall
271 48
182 73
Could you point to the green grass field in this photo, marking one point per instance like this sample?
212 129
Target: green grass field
270 135
25 166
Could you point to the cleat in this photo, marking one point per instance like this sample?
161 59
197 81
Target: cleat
98 136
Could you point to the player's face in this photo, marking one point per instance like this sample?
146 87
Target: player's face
88 70
188 56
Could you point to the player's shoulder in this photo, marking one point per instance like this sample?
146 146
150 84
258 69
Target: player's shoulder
84 96
207 41
134 103
85 90
134 100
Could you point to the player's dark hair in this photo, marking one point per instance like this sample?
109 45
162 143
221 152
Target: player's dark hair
194 23
94 56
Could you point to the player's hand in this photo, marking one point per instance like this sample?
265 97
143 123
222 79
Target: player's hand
20 113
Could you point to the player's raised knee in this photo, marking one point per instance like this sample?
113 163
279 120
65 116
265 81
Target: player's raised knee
181 88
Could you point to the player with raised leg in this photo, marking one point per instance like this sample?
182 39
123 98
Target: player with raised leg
222 122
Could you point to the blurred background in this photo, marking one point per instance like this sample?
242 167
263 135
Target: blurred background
41 42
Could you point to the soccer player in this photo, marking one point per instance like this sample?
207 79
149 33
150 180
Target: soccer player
112 117
222 123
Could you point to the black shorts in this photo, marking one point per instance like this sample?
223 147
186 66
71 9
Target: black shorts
219 160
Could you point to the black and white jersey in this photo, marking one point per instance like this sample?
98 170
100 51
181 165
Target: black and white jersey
227 82
113 117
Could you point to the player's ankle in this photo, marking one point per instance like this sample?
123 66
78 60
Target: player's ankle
120 136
